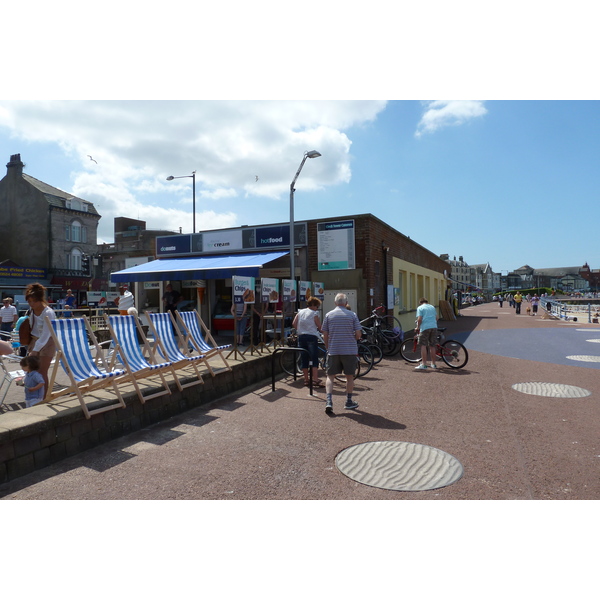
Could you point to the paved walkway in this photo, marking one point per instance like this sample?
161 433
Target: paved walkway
259 444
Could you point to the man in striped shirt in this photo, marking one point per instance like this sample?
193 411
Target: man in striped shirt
341 330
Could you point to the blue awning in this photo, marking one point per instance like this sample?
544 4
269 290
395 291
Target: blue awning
218 266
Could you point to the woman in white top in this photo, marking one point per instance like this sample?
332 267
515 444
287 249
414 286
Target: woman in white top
308 325
42 343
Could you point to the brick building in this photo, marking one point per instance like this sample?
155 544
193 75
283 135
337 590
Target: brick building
45 233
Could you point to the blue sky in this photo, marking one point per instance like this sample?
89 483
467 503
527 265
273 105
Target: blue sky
504 182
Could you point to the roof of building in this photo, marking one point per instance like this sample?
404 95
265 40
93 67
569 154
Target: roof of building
58 197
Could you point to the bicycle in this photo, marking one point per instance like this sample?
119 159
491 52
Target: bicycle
383 330
291 362
453 353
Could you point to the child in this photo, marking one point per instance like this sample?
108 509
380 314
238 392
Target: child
33 381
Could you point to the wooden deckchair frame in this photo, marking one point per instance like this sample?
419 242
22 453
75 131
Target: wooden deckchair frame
101 375
129 354
170 350
206 345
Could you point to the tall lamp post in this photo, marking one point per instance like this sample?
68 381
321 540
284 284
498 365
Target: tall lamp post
193 176
311 154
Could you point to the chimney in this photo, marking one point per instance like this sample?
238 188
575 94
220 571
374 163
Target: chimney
15 167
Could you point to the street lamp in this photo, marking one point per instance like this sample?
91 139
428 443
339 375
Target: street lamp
193 176
311 154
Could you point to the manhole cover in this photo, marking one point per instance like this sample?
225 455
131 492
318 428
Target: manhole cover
593 341
584 358
553 390
400 466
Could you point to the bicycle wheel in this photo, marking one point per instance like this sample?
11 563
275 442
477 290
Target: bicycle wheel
366 356
388 342
410 351
289 362
454 354
376 352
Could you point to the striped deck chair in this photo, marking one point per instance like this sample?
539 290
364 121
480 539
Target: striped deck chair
168 343
192 325
125 330
86 374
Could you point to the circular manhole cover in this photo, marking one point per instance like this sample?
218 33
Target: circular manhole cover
399 466
594 341
553 390
584 358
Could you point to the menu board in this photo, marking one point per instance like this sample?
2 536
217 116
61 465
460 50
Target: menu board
289 290
243 290
269 290
335 245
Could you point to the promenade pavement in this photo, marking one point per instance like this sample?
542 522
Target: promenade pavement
260 444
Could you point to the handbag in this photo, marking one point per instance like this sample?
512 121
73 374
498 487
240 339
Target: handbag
25 333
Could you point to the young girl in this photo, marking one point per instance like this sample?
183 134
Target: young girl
33 381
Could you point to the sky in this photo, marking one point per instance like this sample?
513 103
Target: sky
506 182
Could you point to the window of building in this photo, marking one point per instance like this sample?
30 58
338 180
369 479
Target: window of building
76 232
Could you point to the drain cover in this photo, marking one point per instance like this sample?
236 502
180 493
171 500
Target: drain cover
553 390
593 341
399 466
584 358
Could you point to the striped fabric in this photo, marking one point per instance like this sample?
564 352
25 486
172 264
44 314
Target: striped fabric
125 331
76 355
164 329
190 320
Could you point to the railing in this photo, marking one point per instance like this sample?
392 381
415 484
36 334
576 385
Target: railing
291 349
571 312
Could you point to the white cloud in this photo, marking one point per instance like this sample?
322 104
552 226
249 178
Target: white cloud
137 144
444 113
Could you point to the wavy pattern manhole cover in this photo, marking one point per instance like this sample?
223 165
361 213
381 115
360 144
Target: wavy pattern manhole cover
584 358
399 466
553 390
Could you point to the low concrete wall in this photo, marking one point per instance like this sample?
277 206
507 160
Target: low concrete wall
34 438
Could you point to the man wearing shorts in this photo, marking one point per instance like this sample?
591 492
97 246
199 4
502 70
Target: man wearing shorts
426 331
341 330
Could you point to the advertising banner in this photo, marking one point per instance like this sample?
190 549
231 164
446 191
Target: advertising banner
269 289
318 290
243 290
305 291
289 290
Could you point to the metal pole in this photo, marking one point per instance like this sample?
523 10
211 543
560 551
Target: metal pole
194 200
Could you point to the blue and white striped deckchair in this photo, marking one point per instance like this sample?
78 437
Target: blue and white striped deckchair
85 374
192 326
125 330
168 343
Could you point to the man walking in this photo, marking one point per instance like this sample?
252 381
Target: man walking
341 330
518 299
426 330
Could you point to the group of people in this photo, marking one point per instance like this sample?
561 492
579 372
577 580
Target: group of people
516 300
40 350
341 331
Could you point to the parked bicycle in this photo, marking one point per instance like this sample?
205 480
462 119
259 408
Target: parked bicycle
291 362
383 330
453 353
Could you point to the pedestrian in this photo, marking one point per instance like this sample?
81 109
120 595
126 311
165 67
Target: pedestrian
170 299
308 326
124 300
240 320
426 331
535 302
42 344
9 315
341 331
517 300
33 381
500 300
69 304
